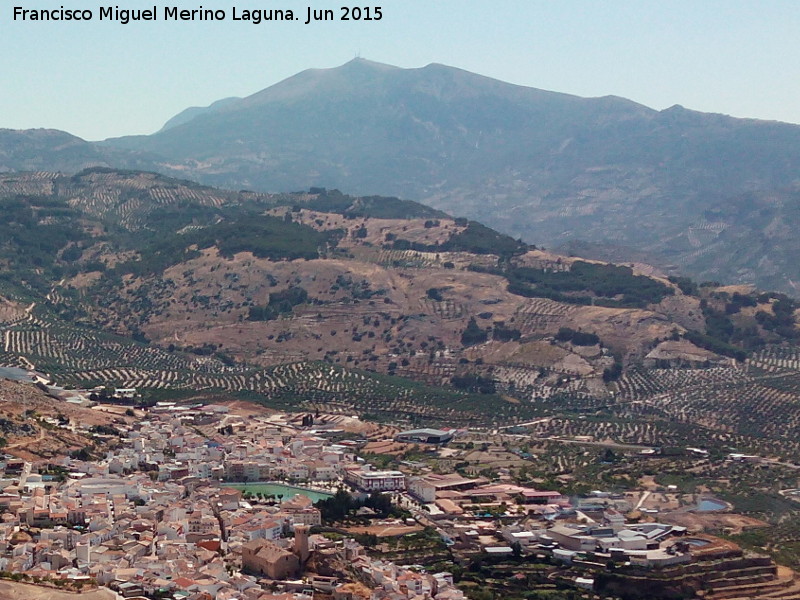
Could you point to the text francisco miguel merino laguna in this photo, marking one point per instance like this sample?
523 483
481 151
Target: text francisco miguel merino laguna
174 13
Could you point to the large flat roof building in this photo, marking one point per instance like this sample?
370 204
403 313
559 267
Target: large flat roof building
376 481
426 487
425 436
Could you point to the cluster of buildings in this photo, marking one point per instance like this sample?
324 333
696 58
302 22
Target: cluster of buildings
153 516
244 449
611 538
452 495
374 578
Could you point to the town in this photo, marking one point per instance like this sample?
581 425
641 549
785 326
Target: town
203 501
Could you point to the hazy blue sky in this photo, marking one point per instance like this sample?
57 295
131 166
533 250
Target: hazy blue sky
102 79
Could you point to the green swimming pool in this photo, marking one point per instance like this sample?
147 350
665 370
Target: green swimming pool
278 489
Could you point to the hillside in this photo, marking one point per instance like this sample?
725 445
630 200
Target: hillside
379 306
40 149
33 425
53 150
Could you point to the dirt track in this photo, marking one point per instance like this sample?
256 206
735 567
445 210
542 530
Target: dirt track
733 522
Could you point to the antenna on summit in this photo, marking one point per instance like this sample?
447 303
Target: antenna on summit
358 54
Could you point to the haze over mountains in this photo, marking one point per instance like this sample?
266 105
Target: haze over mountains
707 195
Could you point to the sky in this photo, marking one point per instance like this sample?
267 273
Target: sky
104 79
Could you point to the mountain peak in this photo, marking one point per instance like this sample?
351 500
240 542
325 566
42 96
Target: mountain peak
359 62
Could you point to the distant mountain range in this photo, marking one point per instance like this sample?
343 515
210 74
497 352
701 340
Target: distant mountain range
702 194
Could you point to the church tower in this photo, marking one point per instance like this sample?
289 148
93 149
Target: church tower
301 543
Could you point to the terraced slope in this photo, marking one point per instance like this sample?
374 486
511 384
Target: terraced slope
379 306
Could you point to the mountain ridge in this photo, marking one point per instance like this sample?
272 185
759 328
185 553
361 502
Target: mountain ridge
188 114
